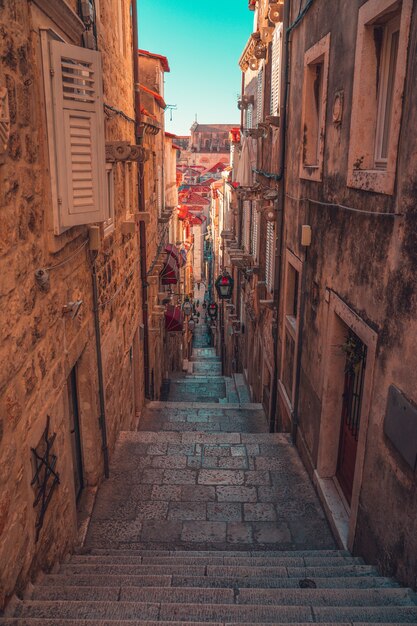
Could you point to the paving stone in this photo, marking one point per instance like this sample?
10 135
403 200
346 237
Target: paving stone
239 532
257 478
179 477
198 493
224 511
236 494
169 462
163 531
221 477
187 511
204 531
166 492
267 532
259 511
153 476
152 510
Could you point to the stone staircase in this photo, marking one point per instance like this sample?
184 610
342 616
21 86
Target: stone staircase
115 587
209 519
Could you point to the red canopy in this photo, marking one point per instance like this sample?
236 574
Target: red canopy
169 273
173 319
173 250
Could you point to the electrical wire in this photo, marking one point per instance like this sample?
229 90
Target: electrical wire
115 111
118 290
68 258
343 206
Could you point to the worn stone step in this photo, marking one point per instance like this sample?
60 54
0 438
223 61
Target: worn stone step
216 570
250 406
172 580
260 561
186 613
213 595
92 622
210 595
223 553
201 437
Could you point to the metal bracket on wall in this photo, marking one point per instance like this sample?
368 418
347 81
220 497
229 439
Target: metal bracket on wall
45 478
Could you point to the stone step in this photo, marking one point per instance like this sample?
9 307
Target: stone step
242 596
225 571
223 553
248 406
172 580
289 561
187 613
201 437
92 622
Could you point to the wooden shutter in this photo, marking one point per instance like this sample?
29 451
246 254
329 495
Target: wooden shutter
249 116
276 70
246 224
259 96
269 256
255 231
79 134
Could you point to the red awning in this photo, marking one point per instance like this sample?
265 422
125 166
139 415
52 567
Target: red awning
169 273
159 99
173 319
196 220
173 251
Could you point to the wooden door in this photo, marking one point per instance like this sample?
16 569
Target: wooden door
351 410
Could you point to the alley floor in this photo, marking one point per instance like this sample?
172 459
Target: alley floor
209 519
205 475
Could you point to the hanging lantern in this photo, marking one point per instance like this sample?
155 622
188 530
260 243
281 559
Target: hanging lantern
224 285
187 307
212 310
191 325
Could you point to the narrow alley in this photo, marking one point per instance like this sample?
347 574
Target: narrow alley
208 312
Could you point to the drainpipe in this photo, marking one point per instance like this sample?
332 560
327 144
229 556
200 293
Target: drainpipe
102 418
141 192
280 220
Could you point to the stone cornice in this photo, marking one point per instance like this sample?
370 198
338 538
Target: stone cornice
63 16
247 54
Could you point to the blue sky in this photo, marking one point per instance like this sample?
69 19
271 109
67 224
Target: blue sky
203 41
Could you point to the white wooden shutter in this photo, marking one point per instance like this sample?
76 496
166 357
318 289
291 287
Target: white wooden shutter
246 224
79 134
254 240
259 95
249 116
269 256
276 70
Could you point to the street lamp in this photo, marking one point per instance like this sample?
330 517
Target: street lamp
187 307
224 285
212 310
191 325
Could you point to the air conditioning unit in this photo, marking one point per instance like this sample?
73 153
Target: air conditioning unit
276 12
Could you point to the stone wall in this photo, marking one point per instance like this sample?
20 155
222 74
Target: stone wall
41 344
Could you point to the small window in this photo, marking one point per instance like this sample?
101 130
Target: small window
378 86
276 70
316 67
390 36
269 256
108 224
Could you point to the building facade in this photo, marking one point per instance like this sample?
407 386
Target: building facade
321 252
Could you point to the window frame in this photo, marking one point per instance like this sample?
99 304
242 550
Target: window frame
363 172
108 224
318 54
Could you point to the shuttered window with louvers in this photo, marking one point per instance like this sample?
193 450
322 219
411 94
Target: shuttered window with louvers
254 239
78 141
269 256
259 96
276 70
246 224
249 116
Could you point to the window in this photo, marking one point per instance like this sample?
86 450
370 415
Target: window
254 234
276 70
249 116
108 224
378 86
74 107
390 36
269 256
290 325
316 68
246 224
259 96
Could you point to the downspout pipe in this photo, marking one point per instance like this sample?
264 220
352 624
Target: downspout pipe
102 418
142 206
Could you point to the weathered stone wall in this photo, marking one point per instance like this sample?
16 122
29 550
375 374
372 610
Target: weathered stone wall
39 343
367 261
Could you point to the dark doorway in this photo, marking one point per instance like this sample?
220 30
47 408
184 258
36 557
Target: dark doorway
351 410
74 415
